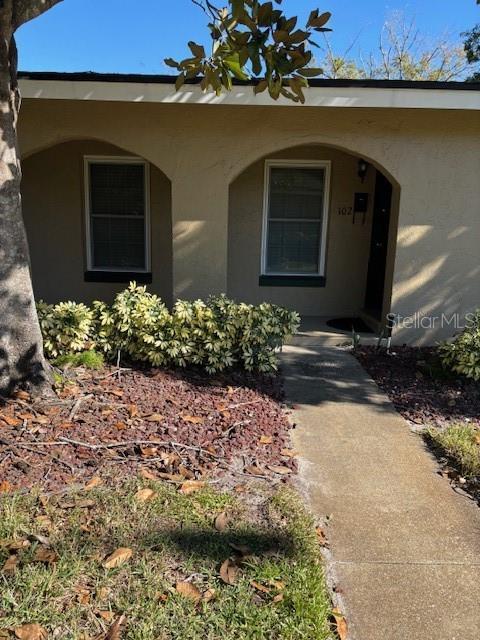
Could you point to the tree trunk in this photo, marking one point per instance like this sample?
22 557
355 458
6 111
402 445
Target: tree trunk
21 348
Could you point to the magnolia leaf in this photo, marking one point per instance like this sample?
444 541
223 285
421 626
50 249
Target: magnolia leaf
254 470
155 417
143 495
117 558
147 474
10 565
265 440
341 624
259 587
96 481
191 486
197 49
188 590
278 598
45 554
319 21
114 632
171 62
180 81
221 521
30 632
193 419
208 595
229 572
281 470
310 72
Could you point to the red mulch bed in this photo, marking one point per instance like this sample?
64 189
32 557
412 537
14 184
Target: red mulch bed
420 391
231 426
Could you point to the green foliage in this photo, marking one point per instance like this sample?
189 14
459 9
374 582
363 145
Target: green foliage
463 354
214 335
87 359
66 327
472 50
461 442
254 39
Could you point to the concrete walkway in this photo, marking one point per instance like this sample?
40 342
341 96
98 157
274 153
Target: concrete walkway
405 548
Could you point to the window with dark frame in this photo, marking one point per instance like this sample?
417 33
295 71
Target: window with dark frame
117 212
294 224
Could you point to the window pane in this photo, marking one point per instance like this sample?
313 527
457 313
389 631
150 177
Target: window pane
293 247
118 243
297 192
117 189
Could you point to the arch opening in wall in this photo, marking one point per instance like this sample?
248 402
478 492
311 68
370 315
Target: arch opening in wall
304 228
97 216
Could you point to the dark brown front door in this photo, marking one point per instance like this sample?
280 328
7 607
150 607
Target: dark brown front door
379 246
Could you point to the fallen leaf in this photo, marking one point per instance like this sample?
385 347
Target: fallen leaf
22 395
191 486
114 632
30 632
83 595
253 470
115 392
259 587
132 410
108 616
208 595
11 421
278 598
5 486
44 554
221 521
229 571
172 477
96 481
289 453
147 474
117 558
155 417
265 440
145 494
10 566
321 537
193 419
341 624
148 452
278 584
120 426
14 545
186 473
188 590
283 471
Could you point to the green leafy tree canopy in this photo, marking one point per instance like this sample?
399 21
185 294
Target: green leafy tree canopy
254 40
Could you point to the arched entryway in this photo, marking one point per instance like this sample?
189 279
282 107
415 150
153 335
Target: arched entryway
314 228
96 216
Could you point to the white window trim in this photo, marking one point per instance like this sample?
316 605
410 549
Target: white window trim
322 258
87 161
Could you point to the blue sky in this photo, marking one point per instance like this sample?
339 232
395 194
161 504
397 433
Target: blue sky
110 35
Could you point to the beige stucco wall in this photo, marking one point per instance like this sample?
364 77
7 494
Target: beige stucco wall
348 244
53 208
433 155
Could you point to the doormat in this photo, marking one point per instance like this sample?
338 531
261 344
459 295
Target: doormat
346 324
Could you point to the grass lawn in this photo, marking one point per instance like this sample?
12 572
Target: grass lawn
172 580
461 443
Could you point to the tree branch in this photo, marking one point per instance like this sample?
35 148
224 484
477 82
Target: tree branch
26 10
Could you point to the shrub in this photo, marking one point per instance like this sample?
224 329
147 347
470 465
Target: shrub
214 335
463 354
66 327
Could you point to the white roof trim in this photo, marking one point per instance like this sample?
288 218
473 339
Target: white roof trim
359 97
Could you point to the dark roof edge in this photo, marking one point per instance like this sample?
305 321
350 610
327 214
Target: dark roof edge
90 76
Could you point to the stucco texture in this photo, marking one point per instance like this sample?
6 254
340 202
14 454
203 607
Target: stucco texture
431 157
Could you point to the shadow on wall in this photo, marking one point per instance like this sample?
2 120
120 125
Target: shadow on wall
437 282
53 192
